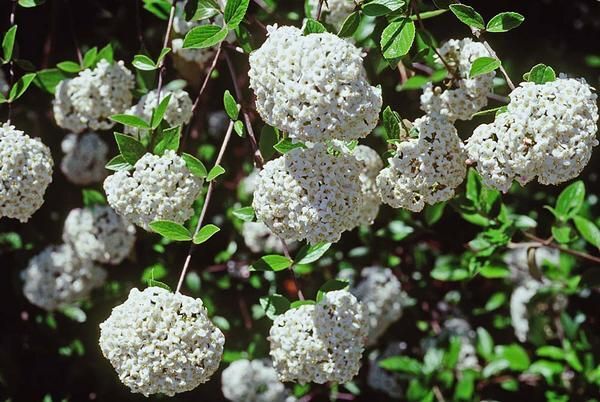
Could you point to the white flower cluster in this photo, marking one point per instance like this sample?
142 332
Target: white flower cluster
425 170
309 194
519 312
178 113
381 379
99 234
380 293
253 381
313 87
334 11
548 131
161 342
25 173
160 188
321 342
469 94
57 277
260 239
88 100
85 158
371 166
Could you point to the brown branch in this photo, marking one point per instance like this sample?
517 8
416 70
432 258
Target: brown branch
541 242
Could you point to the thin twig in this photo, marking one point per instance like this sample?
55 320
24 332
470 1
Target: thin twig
319 9
542 242
161 64
438 394
11 64
207 199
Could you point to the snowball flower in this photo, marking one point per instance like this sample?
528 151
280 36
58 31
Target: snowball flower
259 239
97 233
334 12
380 293
548 132
309 194
88 100
424 170
85 158
320 342
313 87
57 277
25 173
381 379
161 342
253 381
371 165
159 188
468 95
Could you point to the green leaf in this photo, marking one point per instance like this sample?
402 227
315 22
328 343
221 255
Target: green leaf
483 65
8 44
465 386
516 356
428 14
162 55
570 200
106 53
313 26
350 25
171 230
272 262
274 305
198 10
311 253
143 62
235 11
215 172
485 343
467 15
504 22
377 8
31 3
48 79
231 106
330 286
238 127
93 197
286 145
205 233
562 234
69 66
159 8
397 38
158 284
131 149
540 74
90 57
159 112
299 303
246 213
447 272
392 123
130 120
433 213
204 36
402 364
20 86
269 136
168 141
118 163
588 230
196 167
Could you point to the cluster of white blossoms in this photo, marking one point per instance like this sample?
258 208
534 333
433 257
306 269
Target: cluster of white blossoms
253 381
313 87
424 170
320 342
57 277
97 233
85 158
371 164
309 194
25 173
334 12
161 342
380 292
381 379
468 95
547 132
178 113
159 188
88 100
259 238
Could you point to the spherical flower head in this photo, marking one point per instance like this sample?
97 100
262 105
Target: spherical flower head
159 188
381 379
97 233
313 87
371 164
85 158
424 170
468 95
309 193
57 278
380 293
25 173
260 239
253 381
161 342
334 12
320 342
88 100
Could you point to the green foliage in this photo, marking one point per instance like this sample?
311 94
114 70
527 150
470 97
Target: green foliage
483 65
195 165
205 233
8 44
504 22
235 11
171 230
467 15
285 145
215 172
130 148
540 74
397 39
231 106
204 36
272 262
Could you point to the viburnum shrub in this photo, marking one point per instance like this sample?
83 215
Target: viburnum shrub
349 203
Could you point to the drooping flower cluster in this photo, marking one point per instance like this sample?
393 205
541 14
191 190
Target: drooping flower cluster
25 173
161 342
321 342
178 113
424 170
547 132
99 234
334 12
371 164
468 95
313 87
57 277
381 379
88 100
159 188
260 239
253 381
309 194
380 293
85 158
